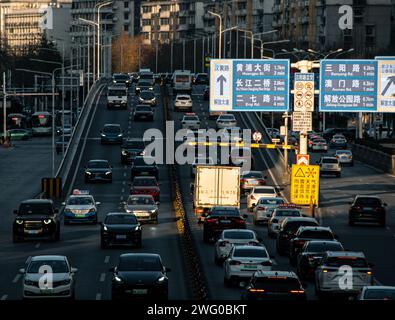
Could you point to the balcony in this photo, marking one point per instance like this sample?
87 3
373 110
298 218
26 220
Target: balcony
146 28
146 15
165 14
164 27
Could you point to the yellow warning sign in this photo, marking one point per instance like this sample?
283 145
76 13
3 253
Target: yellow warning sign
305 184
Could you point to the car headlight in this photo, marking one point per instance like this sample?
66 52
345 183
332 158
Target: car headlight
29 282
65 282
118 279
123 101
161 279
105 228
19 221
114 81
137 228
103 135
124 153
138 88
47 221
153 211
108 172
120 135
88 173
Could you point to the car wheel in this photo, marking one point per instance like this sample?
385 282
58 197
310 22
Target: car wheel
338 175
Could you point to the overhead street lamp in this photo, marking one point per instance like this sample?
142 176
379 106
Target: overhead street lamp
253 37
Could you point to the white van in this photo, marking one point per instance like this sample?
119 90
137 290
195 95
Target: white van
182 82
117 97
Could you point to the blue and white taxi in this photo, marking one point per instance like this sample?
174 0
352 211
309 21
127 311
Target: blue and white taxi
80 207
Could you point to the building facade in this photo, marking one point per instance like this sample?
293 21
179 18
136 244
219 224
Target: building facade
24 23
315 24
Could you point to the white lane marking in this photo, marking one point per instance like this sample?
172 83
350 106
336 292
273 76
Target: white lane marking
123 190
123 182
102 277
16 279
37 245
122 198
4 297
98 296
107 259
124 174
388 228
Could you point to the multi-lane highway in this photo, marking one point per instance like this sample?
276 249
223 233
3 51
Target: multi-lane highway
81 244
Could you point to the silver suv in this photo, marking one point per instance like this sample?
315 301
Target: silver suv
330 165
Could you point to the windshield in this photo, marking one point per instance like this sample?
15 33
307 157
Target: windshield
121 219
373 202
250 253
293 226
343 152
316 234
380 294
219 212
323 246
112 129
271 201
144 182
97 164
264 190
140 263
183 98
256 175
144 84
349 261
238 235
36 208
287 213
191 118
140 145
41 120
57 266
121 77
117 92
147 95
146 76
328 160
80 201
228 117
142 161
133 201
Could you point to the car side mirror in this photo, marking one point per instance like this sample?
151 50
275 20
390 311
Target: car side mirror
74 270
265 177
157 203
63 203
243 284
15 211
123 203
22 271
260 239
304 284
100 223
350 203
272 256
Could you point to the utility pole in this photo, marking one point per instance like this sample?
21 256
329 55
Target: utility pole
4 109
171 54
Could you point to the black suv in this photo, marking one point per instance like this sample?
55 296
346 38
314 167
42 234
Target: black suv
144 166
131 149
367 209
222 218
36 219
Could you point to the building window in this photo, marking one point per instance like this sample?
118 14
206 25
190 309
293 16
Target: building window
146 35
242 5
165 7
126 16
164 21
126 4
147 9
164 35
126 28
146 22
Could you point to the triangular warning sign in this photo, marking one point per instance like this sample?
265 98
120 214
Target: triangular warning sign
299 173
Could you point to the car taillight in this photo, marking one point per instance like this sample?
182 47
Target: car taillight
256 290
296 291
212 220
369 273
234 263
240 221
299 243
357 208
379 209
242 180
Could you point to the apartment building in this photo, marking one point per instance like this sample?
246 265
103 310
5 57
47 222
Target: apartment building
24 23
164 21
315 24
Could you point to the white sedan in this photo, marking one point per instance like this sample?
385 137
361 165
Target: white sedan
190 121
60 282
230 238
264 208
183 101
258 193
319 145
345 157
226 121
244 261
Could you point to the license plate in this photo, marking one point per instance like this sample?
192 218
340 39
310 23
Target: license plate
367 209
140 291
145 172
254 182
80 216
33 231
46 291
120 237
225 221
253 267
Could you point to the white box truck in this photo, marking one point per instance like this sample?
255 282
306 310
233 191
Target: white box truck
215 186
182 82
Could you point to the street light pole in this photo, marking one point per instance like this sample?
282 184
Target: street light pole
4 109
220 32
99 6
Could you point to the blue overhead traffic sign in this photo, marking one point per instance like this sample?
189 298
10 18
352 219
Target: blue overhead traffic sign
386 84
348 86
249 85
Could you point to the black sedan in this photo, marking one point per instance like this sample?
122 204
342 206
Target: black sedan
144 166
143 85
120 228
98 170
140 275
143 112
367 209
130 149
147 97
310 256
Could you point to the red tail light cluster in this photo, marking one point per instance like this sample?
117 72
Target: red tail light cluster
212 220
